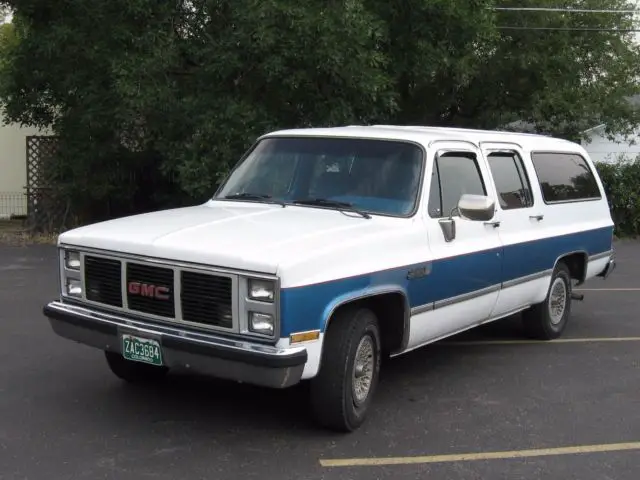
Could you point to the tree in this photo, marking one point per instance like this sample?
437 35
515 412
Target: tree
557 72
562 81
151 98
251 66
436 48
184 87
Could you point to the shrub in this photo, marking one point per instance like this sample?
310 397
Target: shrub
621 182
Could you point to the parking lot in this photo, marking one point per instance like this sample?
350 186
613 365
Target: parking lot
483 405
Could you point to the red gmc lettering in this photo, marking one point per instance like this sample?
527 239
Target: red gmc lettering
162 293
148 290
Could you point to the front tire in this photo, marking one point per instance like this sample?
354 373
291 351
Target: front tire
342 391
548 320
134 372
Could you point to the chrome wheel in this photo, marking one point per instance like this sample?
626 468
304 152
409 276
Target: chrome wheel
363 370
557 301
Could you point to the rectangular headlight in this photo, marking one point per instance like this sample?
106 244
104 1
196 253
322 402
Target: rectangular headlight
261 323
261 290
73 288
72 260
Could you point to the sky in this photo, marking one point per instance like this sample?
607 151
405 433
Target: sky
637 35
638 21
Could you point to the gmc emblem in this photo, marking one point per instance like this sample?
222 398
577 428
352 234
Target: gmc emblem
149 290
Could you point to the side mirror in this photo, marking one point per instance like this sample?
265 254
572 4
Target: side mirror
478 208
471 207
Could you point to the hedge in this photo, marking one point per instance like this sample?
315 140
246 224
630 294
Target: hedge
622 185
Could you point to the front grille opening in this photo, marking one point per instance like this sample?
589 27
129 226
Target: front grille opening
150 289
206 299
103 280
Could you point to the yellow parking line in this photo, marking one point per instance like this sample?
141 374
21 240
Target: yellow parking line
541 342
467 457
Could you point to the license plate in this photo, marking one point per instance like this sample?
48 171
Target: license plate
143 350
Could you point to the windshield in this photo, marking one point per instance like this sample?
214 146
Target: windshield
375 176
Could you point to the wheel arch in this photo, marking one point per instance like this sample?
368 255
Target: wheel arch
577 262
373 299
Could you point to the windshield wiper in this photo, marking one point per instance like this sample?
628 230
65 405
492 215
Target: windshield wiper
254 196
325 202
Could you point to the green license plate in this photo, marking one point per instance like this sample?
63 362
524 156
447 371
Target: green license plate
141 350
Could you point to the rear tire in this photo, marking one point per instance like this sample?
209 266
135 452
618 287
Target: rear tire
342 391
548 320
134 372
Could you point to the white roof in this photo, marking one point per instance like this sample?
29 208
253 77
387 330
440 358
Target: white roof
425 135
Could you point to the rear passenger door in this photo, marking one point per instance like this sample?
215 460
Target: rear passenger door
520 218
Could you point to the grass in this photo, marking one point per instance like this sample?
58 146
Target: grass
11 225
14 233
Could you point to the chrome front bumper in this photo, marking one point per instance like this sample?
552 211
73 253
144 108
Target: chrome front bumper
248 362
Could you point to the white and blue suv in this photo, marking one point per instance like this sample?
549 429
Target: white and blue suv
327 250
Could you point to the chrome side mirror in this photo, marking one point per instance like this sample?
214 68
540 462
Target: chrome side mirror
478 208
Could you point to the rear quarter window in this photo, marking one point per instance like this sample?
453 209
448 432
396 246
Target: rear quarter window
565 177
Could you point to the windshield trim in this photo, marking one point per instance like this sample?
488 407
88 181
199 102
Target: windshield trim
418 195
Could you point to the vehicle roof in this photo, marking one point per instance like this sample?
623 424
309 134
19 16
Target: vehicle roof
425 135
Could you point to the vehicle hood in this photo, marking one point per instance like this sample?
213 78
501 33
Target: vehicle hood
239 235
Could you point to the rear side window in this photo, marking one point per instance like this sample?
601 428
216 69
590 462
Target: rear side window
564 177
454 174
512 183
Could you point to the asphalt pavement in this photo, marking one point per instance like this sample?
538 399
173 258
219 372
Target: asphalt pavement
481 405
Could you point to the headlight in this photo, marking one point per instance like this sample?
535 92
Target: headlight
261 290
72 260
74 288
261 323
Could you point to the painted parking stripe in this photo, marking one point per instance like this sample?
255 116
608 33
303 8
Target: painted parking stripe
541 342
468 457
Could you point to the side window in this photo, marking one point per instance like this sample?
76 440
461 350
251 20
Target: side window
564 177
454 174
512 183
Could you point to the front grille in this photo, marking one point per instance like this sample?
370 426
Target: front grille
206 299
150 289
103 280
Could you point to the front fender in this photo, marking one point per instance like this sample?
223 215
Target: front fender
310 307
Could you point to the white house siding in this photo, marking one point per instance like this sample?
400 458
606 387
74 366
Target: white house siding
13 168
601 149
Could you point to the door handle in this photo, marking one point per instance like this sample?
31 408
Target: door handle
493 224
536 217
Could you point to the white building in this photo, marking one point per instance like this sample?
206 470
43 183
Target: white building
601 149
13 167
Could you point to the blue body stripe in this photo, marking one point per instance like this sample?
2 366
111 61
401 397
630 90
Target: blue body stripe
306 308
